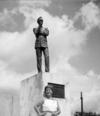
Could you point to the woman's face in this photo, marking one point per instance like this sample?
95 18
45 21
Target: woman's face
48 92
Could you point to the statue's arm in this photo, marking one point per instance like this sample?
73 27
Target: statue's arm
34 30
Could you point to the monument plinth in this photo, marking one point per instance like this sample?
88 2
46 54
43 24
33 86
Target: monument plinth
32 93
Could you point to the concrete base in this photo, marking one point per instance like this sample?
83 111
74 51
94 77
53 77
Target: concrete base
32 93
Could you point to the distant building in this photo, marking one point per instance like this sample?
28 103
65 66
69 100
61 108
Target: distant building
86 114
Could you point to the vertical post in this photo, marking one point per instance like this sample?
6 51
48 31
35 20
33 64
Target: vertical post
11 105
81 104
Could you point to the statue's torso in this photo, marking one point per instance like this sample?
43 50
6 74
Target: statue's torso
41 37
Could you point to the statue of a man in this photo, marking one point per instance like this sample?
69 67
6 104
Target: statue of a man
41 45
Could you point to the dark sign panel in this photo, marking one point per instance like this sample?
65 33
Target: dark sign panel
58 90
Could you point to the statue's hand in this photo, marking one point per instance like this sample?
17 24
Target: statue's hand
46 32
43 31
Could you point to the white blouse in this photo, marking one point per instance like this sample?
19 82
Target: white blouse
49 105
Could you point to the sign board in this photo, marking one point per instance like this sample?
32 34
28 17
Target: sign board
58 90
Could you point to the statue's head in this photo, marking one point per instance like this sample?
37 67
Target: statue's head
40 20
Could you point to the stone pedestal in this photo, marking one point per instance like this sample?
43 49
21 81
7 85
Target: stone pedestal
32 92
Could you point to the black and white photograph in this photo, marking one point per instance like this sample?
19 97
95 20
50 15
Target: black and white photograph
49 57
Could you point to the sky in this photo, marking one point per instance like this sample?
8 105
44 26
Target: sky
73 42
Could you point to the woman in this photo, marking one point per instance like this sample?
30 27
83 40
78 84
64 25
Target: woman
49 106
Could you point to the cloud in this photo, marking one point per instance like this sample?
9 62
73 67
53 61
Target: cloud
8 78
94 96
17 50
91 18
6 19
35 3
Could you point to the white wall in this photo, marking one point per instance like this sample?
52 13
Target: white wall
31 93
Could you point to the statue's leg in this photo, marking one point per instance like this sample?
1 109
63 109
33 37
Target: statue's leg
46 56
39 59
